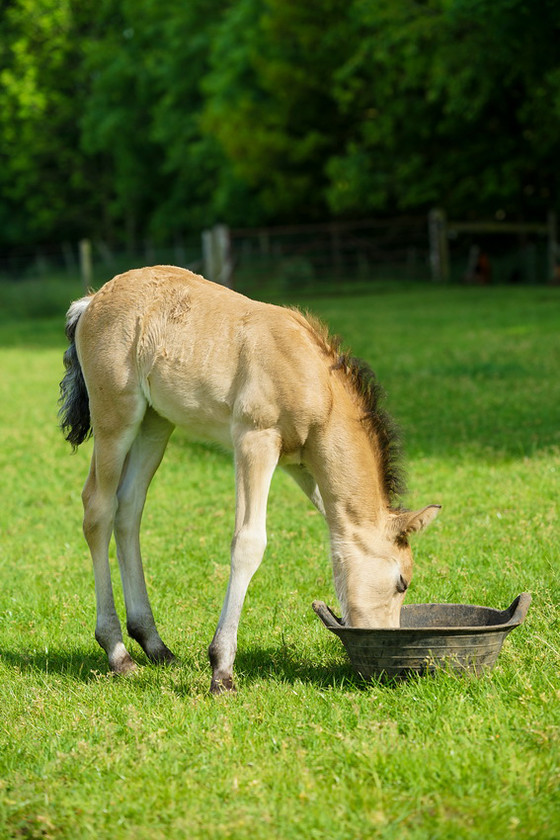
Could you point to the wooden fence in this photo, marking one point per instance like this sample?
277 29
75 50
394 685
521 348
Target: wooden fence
408 248
442 232
318 254
328 255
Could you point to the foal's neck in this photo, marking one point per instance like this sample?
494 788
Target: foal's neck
346 462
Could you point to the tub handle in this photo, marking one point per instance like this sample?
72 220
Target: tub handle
327 616
517 611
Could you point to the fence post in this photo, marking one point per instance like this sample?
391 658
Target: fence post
223 247
439 247
216 255
86 265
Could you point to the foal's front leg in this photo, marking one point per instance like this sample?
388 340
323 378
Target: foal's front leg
256 457
306 481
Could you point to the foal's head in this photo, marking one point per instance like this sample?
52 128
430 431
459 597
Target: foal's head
372 586
372 558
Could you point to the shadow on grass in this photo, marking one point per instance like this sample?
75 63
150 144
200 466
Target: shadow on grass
77 663
284 664
252 665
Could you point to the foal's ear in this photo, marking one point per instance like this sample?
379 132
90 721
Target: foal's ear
404 522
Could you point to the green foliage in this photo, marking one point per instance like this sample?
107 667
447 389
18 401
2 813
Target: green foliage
128 119
453 103
44 187
270 99
143 113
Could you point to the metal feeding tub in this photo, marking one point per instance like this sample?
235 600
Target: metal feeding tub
459 637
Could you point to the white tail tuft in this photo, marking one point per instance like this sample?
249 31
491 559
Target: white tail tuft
75 312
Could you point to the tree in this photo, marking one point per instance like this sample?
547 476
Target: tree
147 61
200 188
43 183
454 102
269 99
128 119
116 122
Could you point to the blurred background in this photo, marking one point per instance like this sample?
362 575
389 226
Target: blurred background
293 143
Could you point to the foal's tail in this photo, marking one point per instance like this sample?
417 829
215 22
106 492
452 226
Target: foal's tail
74 401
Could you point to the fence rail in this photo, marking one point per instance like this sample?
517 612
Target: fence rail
329 255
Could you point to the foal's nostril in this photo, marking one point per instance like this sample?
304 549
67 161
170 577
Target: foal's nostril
402 585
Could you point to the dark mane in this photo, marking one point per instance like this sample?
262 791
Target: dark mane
380 425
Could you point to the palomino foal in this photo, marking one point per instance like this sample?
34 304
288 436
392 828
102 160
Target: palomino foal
162 347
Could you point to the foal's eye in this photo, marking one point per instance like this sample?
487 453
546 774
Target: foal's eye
402 585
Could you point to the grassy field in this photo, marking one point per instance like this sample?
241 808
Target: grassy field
305 749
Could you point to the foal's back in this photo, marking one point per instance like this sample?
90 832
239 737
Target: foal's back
204 357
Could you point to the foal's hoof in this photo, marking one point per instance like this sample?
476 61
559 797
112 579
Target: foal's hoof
124 665
222 685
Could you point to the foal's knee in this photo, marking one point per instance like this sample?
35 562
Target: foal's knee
247 548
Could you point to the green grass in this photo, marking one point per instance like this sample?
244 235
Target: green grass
305 749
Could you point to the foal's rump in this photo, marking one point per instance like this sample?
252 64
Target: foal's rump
204 357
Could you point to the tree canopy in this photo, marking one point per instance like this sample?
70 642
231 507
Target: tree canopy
126 119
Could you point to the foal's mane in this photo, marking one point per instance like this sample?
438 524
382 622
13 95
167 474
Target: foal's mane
381 428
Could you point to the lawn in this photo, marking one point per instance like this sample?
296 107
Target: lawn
305 749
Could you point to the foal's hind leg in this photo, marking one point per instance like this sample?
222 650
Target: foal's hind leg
100 504
256 457
143 460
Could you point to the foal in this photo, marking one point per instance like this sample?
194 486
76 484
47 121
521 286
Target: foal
162 347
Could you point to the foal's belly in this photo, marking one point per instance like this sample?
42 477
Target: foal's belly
200 408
